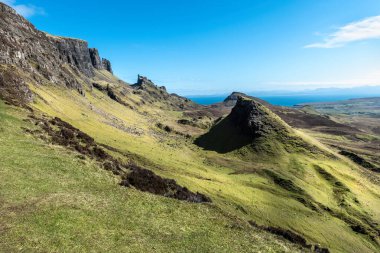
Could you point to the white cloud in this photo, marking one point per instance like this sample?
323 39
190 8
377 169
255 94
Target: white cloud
365 29
369 79
26 10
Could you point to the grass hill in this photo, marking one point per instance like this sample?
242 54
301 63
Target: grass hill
251 124
287 190
52 199
78 146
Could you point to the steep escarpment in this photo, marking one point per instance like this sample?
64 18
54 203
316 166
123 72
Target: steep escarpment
95 58
42 58
106 64
46 58
99 63
76 53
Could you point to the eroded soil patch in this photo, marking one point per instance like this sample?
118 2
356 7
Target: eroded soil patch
290 236
359 160
62 133
147 181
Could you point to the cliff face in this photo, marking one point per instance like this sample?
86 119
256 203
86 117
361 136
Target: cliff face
39 58
254 119
95 58
44 56
106 64
233 98
99 63
75 52
21 42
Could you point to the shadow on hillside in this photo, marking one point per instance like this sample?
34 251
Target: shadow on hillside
224 137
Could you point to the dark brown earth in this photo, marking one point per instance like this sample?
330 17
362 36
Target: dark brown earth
300 119
359 160
147 181
290 236
62 133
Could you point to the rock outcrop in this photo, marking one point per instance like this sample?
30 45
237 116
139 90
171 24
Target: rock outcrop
106 64
54 59
152 93
254 119
95 58
76 53
233 98
143 81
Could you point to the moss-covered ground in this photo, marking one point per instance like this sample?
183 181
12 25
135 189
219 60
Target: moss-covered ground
51 200
236 181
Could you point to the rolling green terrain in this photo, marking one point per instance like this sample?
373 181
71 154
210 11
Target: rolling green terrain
275 183
278 187
363 116
53 201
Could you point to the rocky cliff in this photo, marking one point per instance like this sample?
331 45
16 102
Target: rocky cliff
76 53
95 58
233 98
106 64
254 119
45 57
41 58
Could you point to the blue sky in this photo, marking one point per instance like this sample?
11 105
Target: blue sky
218 46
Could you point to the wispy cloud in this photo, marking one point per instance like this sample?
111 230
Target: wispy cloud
371 78
26 10
365 29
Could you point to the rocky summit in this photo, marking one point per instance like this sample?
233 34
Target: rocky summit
233 98
254 119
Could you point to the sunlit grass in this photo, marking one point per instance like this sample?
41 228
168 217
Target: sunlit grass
53 201
235 185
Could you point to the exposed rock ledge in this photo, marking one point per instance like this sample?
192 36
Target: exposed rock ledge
21 44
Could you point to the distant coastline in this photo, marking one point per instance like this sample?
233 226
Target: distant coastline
282 100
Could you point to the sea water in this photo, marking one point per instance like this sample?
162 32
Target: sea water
281 100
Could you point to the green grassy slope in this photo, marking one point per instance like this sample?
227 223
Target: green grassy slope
52 201
322 212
